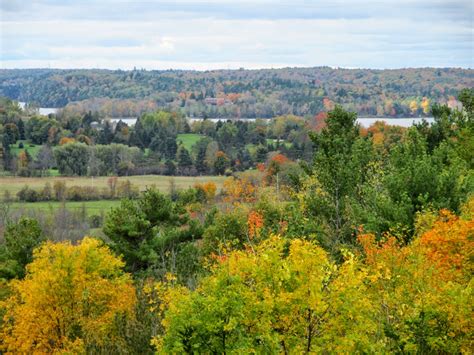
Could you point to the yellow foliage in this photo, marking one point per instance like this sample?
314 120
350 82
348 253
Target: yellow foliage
239 190
66 140
425 105
209 189
282 296
68 299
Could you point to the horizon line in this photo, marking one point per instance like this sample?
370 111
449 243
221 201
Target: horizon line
236 69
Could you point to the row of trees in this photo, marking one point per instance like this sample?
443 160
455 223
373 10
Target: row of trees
151 146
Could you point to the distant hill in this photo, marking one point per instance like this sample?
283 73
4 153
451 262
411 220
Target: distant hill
244 93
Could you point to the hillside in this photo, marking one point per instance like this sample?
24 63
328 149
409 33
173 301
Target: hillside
243 93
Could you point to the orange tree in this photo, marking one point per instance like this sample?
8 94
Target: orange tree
423 291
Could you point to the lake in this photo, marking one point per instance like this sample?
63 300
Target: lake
403 121
363 121
45 111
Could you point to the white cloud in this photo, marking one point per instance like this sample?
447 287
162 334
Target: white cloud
203 35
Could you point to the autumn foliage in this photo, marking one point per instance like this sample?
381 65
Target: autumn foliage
255 223
282 295
68 301
208 188
239 190
66 140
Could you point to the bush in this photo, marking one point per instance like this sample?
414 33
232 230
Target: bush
27 195
24 172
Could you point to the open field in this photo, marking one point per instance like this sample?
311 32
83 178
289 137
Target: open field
91 207
15 184
188 139
31 148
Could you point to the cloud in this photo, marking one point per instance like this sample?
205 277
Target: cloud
221 34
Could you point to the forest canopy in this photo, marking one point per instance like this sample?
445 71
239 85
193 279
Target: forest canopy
239 93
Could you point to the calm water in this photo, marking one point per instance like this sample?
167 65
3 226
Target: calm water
45 111
404 122
363 121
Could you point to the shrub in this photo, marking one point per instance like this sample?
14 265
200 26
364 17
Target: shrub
27 195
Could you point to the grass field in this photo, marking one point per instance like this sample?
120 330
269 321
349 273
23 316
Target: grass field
188 139
91 207
282 142
15 184
32 149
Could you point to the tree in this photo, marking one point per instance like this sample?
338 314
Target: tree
21 129
221 163
20 240
69 301
280 298
170 167
44 159
143 230
340 158
10 133
183 158
199 151
422 292
106 135
72 159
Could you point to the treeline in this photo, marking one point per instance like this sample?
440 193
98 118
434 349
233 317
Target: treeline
366 249
238 93
80 145
59 191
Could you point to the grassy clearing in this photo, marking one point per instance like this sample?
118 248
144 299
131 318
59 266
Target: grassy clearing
15 184
282 142
91 207
188 139
32 148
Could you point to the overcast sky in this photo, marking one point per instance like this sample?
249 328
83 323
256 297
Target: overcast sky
215 34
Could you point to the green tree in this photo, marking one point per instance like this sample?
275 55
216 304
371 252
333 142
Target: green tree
17 251
221 163
279 297
339 165
184 158
72 158
144 230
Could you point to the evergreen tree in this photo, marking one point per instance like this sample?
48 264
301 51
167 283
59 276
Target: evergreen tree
106 135
200 164
21 129
183 158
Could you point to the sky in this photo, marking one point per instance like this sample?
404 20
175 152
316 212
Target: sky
225 34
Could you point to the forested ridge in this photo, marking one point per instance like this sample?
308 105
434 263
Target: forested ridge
239 93
364 247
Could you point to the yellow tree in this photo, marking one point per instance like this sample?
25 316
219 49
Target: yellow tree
413 107
425 105
281 297
68 301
